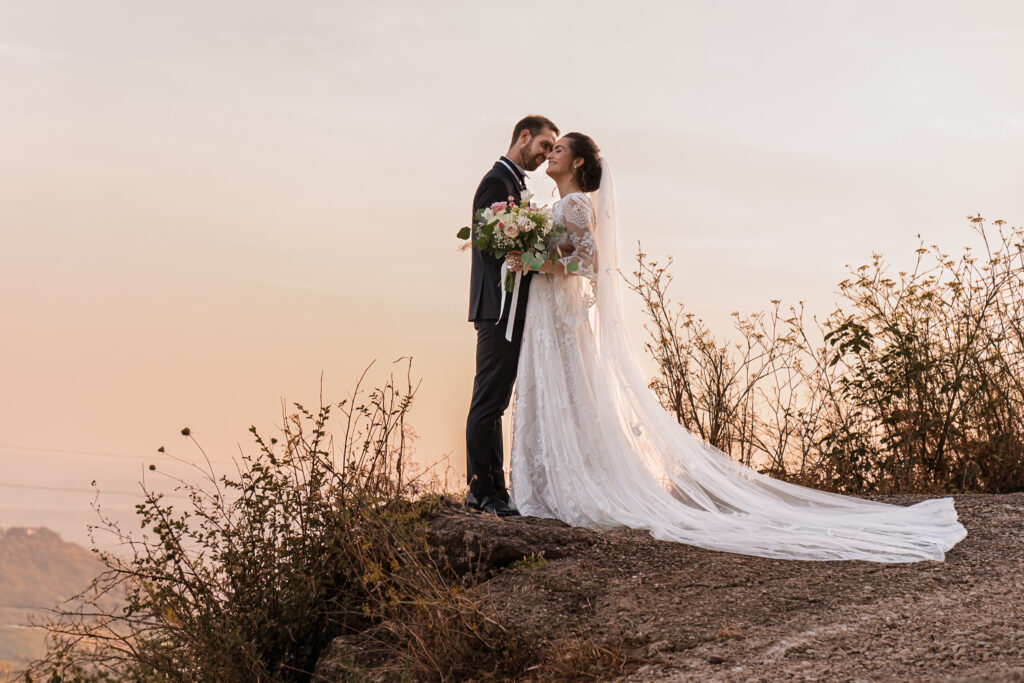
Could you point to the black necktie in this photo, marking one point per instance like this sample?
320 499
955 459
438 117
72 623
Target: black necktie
521 177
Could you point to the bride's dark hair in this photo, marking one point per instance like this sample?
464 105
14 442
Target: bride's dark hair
588 175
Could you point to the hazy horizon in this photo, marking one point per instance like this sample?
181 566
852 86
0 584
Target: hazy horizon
208 207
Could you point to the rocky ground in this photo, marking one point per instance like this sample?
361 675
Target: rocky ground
618 605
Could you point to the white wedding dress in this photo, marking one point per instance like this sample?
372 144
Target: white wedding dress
593 447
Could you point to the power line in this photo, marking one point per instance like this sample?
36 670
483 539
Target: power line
58 511
64 450
64 489
99 453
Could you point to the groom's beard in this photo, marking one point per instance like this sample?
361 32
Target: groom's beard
533 161
537 161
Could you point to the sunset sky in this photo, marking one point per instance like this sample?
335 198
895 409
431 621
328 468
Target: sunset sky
204 206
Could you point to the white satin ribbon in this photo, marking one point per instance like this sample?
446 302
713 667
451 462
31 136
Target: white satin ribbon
515 299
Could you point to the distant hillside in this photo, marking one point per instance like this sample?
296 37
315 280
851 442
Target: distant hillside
37 571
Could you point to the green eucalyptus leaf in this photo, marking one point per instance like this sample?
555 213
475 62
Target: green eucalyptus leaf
464 233
572 266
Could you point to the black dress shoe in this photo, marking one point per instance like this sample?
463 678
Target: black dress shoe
473 502
496 506
503 495
492 504
511 506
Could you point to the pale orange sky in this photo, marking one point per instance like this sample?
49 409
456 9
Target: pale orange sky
203 206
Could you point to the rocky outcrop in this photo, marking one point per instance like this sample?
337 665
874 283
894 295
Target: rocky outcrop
470 541
620 605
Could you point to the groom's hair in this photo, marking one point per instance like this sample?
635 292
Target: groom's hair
535 124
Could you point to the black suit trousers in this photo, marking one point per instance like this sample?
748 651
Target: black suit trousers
496 362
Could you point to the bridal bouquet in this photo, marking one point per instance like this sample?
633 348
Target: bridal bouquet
506 226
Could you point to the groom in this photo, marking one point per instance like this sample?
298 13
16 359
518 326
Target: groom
496 358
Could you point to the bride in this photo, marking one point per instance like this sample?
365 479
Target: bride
592 446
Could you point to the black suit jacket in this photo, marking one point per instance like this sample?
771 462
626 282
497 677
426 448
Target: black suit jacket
485 273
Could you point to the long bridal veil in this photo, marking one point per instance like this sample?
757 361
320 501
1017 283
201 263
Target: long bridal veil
708 500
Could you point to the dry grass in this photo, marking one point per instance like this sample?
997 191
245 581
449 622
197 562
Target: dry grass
730 631
579 659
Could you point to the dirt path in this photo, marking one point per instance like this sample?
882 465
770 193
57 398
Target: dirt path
620 605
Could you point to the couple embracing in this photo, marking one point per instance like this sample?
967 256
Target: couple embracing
591 444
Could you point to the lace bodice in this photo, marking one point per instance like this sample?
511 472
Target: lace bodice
576 214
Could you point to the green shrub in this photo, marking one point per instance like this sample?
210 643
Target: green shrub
914 383
313 539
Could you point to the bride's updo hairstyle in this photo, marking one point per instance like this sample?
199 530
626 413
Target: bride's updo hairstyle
588 175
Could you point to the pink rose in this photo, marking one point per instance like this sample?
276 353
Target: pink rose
511 231
498 206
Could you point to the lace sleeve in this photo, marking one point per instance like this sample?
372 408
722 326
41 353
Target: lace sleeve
578 217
